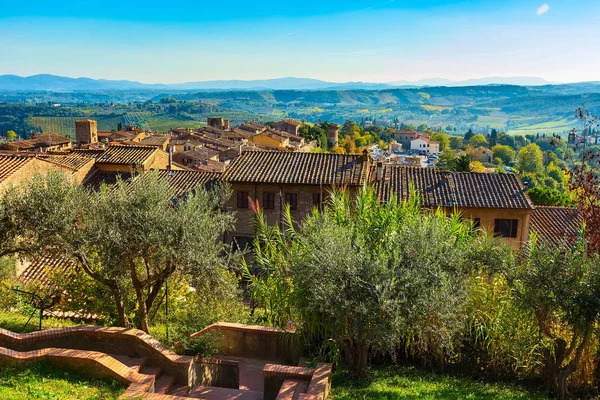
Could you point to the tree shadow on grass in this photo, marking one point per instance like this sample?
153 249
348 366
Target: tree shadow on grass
407 383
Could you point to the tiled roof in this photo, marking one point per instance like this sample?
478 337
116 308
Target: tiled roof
123 135
298 168
407 132
20 145
37 271
88 152
10 164
74 161
129 155
251 127
210 166
50 139
41 140
232 153
460 189
180 182
425 139
198 154
556 225
156 140
290 122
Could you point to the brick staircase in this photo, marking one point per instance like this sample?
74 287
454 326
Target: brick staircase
153 372
167 388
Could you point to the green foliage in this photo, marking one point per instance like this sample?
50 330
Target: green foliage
442 138
505 153
357 273
193 305
456 142
469 135
461 163
269 281
130 238
530 159
546 196
560 287
478 140
502 339
11 135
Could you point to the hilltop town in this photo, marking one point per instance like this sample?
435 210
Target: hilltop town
102 227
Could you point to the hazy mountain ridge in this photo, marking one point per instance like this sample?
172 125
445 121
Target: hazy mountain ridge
47 82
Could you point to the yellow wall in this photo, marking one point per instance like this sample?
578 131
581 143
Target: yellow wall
268 142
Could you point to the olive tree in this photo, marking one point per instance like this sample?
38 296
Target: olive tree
129 238
560 286
378 275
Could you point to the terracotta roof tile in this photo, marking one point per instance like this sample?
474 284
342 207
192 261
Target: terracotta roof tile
129 155
40 267
180 182
460 189
556 225
74 161
41 140
298 168
156 140
11 164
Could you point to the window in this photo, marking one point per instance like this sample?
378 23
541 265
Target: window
269 200
506 228
242 199
292 200
476 223
241 243
317 201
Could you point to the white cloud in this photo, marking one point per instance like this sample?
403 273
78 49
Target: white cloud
543 9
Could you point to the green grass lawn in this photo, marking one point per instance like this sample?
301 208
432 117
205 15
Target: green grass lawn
399 382
42 381
15 322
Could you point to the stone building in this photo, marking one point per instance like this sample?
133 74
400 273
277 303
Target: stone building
425 145
482 154
289 126
128 158
405 136
40 143
497 203
219 123
333 131
86 132
273 179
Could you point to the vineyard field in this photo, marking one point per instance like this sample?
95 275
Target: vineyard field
65 126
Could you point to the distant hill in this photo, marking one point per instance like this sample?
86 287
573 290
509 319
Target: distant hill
493 80
47 82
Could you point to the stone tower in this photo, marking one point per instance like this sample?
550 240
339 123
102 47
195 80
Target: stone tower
332 134
86 132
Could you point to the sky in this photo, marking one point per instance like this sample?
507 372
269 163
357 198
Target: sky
178 41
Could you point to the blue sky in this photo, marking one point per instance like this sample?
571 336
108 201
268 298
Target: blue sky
353 40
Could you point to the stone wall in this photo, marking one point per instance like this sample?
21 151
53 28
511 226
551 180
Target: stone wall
259 342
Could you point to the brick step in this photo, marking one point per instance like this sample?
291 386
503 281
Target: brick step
301 388
163 384
146 370
179 390
132 362
217 393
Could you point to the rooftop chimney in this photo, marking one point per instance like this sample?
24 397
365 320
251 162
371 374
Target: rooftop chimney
443 178
365 155
379 171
